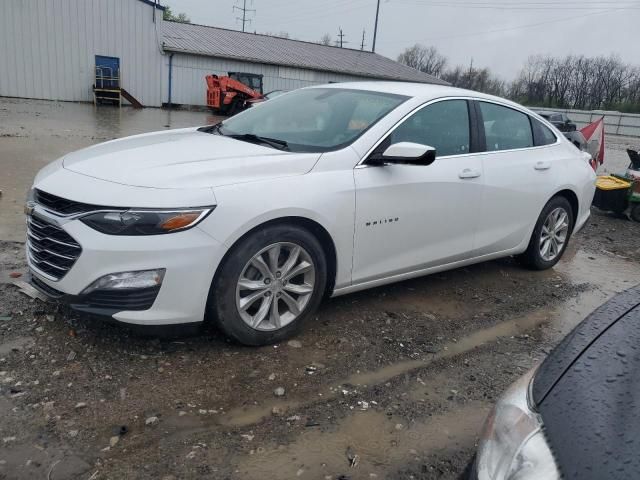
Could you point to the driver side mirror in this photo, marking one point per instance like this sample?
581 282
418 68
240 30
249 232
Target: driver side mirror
405 153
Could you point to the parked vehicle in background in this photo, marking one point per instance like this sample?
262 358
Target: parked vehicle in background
229 95
267 96
323 191
576 415
559 120
577 138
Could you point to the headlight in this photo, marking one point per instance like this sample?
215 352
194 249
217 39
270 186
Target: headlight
513 446
145 222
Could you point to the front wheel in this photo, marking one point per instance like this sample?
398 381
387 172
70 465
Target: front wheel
270 283
550 235
634 213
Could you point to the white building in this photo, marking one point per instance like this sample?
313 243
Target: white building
48 51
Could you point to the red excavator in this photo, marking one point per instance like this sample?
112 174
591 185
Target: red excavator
228 95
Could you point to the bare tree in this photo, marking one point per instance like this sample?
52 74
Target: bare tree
578 82
326 39
425 59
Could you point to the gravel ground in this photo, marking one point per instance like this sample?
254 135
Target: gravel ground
389 383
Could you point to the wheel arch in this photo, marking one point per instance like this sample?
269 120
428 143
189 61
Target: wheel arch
313 226
573 200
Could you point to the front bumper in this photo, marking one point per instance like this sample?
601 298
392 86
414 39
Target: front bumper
102 302
189 257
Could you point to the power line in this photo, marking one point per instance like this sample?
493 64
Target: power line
244 11
518 27
499 6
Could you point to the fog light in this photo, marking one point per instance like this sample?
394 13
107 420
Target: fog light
127 280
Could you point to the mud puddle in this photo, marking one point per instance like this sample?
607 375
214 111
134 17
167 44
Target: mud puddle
366 445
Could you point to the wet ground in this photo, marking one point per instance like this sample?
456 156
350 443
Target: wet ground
390 383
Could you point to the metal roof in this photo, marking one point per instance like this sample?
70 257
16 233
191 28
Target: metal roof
220 42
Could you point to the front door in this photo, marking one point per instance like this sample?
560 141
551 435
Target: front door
411 217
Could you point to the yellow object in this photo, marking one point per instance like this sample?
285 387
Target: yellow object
607 182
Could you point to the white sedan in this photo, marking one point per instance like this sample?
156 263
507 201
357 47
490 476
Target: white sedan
322 191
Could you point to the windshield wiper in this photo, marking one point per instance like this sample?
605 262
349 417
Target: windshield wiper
246 137
250 137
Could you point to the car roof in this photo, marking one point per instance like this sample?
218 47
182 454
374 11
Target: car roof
422 91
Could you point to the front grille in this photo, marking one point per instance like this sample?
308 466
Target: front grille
64 207
51 250
136 299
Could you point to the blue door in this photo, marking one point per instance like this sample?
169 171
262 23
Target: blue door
107 72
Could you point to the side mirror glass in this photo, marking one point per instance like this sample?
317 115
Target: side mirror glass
405 152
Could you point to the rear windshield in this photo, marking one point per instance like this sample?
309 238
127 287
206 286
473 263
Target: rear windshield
315 119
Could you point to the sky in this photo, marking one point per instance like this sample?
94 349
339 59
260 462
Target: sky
499 34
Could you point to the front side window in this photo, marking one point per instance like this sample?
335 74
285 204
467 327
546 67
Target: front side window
442 125
505 128
314 119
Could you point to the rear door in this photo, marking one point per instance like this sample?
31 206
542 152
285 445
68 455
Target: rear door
518 166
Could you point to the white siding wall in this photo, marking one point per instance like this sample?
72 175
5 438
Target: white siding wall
189 86
48 48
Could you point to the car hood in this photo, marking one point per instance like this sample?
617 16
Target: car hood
590 411
185 158
579 340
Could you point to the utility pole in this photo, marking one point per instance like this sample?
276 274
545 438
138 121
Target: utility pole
244 11
375 30
362 44
341 36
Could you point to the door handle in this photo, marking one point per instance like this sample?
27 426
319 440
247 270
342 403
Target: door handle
542 165
469 173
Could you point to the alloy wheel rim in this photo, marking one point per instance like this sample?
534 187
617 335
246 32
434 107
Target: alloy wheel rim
554 234
275 286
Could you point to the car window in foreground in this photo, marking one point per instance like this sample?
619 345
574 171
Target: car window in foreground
505 128
543 136
443 125
314 119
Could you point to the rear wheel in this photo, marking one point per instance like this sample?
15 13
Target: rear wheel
550 235
271 282
634 213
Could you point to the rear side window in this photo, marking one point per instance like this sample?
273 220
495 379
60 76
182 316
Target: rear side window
542 135
443 125
505 128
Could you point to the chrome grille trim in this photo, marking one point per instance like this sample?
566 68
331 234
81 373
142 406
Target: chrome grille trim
51 250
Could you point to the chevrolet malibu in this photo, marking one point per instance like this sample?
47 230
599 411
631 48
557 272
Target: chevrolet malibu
321 191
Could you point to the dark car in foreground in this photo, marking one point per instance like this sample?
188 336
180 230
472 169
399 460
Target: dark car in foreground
577 416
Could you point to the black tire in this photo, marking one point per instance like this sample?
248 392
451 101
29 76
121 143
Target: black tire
222 302
532 257
634 213
235 107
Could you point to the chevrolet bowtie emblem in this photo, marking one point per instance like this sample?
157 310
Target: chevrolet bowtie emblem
29 208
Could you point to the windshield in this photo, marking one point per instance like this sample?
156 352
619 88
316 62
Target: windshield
314 119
